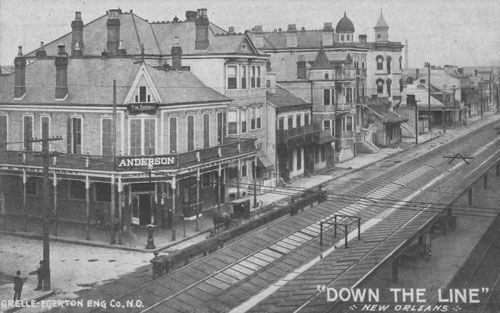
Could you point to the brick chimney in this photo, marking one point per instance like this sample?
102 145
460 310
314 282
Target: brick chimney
61 73
291 36
231 30
176 55
201 41
258 37
20 74
327 34
77 35
113 25
190 16
362 39
40 52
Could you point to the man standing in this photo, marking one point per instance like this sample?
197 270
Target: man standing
39 273
18 286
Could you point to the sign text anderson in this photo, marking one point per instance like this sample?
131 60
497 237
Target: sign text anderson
149 162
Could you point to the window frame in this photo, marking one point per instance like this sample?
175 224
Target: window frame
243 121
70 189
190 132
173 140
230 84
143 135
3 145
232 126
110 136
27 146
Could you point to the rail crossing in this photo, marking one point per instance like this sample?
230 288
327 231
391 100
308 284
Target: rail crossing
278 268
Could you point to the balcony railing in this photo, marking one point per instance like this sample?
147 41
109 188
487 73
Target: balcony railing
234 147
298 136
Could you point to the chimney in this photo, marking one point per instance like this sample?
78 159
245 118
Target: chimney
113 25
327 34
258 38
121 49
231 29
417 73
61 73
40 52
20 74
176 55
77 35
362 39
201 41
291 36
190 16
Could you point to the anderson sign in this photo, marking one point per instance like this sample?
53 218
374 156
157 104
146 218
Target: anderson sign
146 162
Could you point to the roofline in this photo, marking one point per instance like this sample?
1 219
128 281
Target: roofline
315 49
72 105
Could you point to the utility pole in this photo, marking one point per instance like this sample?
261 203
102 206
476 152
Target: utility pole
45 200
454 106
498 107
481 99
113 196
429 92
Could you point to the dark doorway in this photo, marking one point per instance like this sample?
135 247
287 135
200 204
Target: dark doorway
145 209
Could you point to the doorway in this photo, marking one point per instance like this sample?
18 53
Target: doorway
142 205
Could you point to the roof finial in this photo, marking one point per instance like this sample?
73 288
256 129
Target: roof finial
345 14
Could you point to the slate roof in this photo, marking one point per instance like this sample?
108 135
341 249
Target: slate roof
387 116
90 82
285 99
157 38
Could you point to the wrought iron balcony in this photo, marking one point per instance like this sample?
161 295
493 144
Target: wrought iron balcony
298 136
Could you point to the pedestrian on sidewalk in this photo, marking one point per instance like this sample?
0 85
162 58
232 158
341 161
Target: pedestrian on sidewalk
39 273
18 286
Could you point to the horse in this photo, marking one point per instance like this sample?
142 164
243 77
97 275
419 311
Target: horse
221 219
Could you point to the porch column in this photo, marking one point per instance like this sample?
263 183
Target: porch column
218 187
162 203
238 179
172 220
120 211
56 211
198 200
112 211
254 171
155 214
25 209
87 206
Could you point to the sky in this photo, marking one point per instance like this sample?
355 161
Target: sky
457 32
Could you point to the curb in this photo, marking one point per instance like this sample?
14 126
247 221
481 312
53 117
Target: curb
98 244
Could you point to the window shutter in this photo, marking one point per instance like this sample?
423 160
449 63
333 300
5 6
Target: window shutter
68 137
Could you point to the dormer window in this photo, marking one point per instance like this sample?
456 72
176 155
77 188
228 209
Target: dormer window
143 96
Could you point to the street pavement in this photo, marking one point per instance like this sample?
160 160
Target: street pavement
88 271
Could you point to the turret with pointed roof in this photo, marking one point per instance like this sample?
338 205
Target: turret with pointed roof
321 62
381 29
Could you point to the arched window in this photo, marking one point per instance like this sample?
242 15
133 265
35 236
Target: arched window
389 60
389 83
380 85
348 37
342 37
380 62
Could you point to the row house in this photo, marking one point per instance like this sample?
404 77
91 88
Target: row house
155 138
302 148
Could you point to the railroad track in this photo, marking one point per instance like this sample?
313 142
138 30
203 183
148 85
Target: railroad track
230 276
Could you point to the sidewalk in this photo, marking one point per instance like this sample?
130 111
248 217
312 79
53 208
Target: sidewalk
28 295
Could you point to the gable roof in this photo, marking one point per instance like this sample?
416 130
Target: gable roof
157 38
283 98
90 82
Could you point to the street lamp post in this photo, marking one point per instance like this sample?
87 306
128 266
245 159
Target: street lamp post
454 107
428 65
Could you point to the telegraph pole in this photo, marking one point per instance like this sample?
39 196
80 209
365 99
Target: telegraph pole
481 99
428 65
45 200
454 107
113 200
498 107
